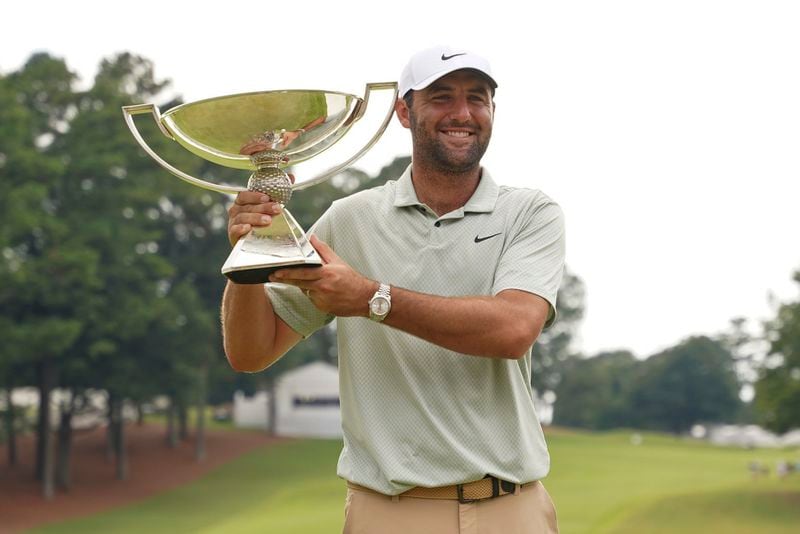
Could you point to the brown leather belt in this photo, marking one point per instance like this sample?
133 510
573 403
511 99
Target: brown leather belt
485 488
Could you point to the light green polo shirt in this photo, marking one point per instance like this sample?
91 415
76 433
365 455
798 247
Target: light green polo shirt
414 413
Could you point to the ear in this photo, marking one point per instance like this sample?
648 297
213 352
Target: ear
403 113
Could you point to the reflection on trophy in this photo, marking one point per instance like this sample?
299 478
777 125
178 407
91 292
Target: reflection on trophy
265 132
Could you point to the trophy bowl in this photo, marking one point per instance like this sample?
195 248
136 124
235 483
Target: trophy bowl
264 132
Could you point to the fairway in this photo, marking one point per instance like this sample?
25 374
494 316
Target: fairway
599 482
604 483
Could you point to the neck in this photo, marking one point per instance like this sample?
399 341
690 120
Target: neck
441 191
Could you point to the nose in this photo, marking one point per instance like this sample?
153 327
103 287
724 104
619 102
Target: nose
460 111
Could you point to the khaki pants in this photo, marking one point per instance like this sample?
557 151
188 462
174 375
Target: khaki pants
530 511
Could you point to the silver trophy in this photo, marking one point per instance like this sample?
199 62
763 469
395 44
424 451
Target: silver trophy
265 132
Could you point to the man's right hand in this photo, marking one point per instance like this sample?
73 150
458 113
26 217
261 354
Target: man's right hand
250 210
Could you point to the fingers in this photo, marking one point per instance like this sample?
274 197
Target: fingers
241 223
325 252
245 198
252 147
237 231
267 208
253 219
250 210
296 275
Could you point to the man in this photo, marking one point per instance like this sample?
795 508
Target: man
441 283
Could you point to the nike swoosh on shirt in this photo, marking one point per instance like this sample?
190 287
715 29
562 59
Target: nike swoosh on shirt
479 239
445 58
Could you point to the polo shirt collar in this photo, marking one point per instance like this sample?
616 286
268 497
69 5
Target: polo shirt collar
483 200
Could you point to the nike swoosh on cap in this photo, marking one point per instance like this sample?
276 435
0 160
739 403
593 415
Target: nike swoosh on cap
445 58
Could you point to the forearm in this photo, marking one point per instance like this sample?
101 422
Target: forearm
248 327
502 326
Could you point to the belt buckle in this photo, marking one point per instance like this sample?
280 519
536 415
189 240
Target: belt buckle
495 491
460 492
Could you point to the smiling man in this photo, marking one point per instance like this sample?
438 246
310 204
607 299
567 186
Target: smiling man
441 282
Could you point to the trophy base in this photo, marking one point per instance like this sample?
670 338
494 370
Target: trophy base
263 251
260 275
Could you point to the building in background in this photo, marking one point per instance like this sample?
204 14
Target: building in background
307 404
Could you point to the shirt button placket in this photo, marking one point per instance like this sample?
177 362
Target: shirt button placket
437 232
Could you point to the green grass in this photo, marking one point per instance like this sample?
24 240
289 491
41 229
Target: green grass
755 510
599 482
289 487
604 483
211 423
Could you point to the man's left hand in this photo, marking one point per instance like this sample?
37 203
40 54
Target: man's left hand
335 287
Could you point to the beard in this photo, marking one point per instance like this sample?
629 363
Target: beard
434 152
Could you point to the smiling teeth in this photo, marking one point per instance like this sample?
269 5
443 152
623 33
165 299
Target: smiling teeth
458 134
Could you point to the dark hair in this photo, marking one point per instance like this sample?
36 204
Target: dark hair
409 98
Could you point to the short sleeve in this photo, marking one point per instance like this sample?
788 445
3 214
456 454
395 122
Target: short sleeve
291 304
533 259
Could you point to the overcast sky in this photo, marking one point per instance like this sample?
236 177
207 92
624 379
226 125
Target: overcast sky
669 131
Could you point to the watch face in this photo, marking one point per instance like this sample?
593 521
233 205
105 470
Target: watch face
379 306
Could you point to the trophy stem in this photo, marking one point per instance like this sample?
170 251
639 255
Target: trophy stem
269 178
300 237
281 244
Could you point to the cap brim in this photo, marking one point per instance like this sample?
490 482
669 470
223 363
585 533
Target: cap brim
430 79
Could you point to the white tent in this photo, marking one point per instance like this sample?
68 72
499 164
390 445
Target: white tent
751 436
251 412
307 404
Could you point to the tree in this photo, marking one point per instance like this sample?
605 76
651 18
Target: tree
44 269
693 382
87 298
552 350
594 392
777 397
174 230
106 195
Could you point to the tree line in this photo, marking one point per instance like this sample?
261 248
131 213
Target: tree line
746 374
693 382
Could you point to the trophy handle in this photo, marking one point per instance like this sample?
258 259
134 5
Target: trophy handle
382 86
139 109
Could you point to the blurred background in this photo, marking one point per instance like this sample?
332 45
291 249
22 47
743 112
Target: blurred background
668 132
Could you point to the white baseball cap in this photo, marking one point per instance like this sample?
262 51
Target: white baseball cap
427 66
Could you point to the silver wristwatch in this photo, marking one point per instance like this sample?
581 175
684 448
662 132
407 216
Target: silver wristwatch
381 303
